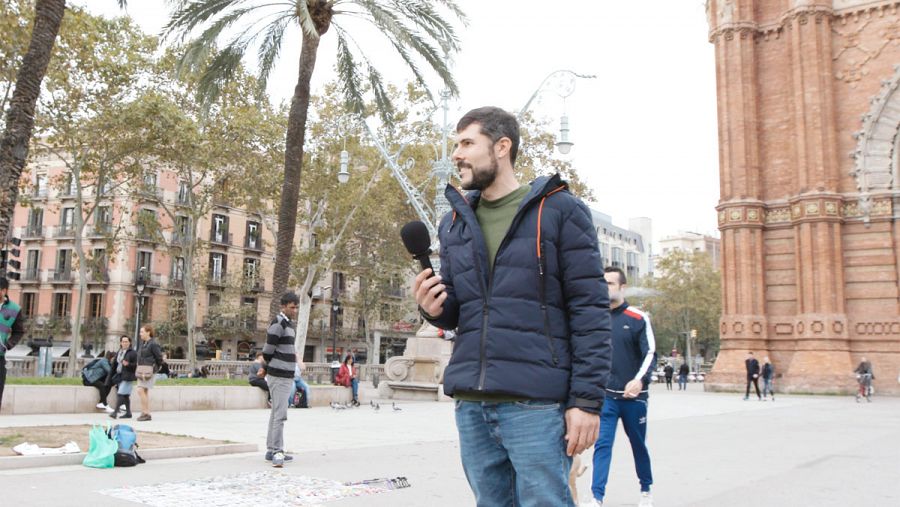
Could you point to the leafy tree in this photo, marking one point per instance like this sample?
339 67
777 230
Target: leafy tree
14 142
687 297
412 27
89 120
213 152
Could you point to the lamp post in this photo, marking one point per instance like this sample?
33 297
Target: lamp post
563 81
140 283
335 308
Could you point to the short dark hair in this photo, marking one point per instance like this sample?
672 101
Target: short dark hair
288 298
4 283
616 269
496 124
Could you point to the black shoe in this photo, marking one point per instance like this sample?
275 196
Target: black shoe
270 454
126 416
115 415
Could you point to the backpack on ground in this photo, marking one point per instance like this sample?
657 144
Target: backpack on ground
125 436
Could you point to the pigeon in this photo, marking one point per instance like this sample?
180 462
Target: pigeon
395 407
377 407
372 403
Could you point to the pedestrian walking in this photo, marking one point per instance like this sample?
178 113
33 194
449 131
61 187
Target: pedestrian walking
752 366
627 390
669 372
683 371
12 328
124 378
521 283
149 361
768 375
281 358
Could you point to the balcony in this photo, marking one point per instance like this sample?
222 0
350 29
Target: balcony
147 235
33 232
216 280
179 238
100 230
182 199
254 284
220 238
255 244
98 276
395 292
176 284
153 280
150 192
39 193
64 231
60 275
31 275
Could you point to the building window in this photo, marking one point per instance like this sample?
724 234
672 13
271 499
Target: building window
40 185
98 263
217 267
180 233
32 265
251 269
249 312
29 303
253 239
144 260
214 300
70 187
617 257
219 233
150 180
103 219
63 263
95 308
61 304
67 219
178 268
35 221
183 192
147 223
338 282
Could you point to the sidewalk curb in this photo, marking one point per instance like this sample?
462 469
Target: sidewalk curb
17 462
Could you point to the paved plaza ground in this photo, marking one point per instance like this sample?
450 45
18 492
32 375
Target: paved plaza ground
708 449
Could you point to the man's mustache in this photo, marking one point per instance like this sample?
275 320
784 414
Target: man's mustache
460 165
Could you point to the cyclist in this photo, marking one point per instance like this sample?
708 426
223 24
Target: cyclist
865 375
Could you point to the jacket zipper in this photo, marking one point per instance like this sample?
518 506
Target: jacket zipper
543 290
487 294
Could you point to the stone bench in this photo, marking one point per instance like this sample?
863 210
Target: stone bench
44 399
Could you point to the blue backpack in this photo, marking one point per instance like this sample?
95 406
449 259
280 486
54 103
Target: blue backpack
125 436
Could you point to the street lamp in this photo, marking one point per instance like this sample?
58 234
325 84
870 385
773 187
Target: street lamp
564 83
140 283
335 308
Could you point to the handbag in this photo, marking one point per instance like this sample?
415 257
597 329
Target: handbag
144 372
102 451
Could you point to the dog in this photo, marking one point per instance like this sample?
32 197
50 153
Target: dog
575 472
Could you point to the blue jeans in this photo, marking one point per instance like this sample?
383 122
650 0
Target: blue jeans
514 453
354 384
300 385
634 418
682 382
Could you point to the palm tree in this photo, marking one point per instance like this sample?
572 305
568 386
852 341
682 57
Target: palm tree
413 27
48 15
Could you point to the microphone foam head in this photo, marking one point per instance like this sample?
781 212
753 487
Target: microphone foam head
416 238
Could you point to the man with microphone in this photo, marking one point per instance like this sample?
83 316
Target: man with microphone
522 283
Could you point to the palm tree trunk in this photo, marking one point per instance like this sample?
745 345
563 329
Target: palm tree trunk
20 117
293 166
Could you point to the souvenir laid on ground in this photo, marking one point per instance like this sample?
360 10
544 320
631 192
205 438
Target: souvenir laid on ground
277 487
26 449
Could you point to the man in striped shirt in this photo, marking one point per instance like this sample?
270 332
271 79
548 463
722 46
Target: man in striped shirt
281 358
633 361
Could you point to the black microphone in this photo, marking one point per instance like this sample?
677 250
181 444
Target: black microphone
418 242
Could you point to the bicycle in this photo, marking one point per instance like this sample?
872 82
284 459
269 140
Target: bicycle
865 387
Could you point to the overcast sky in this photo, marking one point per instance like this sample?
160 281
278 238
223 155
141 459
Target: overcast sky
644 130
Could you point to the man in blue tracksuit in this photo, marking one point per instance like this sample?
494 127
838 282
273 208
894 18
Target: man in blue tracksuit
634 355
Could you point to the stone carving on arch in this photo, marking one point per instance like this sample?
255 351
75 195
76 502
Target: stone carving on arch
876 157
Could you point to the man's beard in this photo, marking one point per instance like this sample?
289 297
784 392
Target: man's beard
481 177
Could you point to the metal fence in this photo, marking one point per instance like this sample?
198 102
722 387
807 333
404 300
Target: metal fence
319 373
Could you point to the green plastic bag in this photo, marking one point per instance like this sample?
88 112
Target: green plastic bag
102 451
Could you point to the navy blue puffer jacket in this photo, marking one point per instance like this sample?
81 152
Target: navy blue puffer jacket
538 325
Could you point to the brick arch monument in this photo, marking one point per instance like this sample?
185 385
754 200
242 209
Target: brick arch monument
809 147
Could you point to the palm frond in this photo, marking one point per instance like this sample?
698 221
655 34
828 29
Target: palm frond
191 14
348 76
382 100
221 70
389 23
270 48
423 14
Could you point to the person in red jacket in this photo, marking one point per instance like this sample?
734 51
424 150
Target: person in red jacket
348 376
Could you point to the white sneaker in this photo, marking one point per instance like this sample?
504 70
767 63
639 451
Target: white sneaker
101 406
109 410
593 502
646 499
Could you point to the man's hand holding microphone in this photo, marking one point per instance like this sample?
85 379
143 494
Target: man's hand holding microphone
430 292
